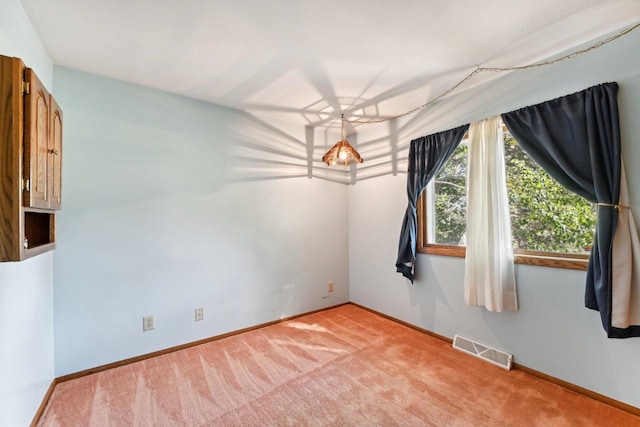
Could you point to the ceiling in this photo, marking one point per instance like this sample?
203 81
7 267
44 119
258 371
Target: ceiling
306 61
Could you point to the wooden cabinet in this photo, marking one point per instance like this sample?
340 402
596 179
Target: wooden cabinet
42 146
55 156
30 162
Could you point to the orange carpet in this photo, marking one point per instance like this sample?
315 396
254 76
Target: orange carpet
341 367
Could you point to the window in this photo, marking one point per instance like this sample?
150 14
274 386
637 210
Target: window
550 225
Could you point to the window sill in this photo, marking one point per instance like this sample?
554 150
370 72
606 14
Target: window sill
568 261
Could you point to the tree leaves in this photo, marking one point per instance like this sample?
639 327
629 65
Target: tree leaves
544 215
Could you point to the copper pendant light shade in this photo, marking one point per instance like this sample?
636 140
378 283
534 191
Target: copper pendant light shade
342 153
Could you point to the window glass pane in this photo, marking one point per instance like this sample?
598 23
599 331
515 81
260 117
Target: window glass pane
449 204
544 215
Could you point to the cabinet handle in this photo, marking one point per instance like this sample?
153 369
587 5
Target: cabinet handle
54 152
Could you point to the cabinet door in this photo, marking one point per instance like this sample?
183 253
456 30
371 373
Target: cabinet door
55 156
36 142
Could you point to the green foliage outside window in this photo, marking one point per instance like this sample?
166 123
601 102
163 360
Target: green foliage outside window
450 199
544 215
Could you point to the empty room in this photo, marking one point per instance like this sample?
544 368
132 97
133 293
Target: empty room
247 213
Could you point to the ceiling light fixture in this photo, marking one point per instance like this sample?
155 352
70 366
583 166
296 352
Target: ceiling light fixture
342 153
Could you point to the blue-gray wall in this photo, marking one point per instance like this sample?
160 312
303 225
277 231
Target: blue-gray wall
159 219
553 332
26 288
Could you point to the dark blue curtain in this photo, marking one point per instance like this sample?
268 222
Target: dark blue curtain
426 156
576 139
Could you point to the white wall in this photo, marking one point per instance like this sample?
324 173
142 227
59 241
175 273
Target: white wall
154 224
552 332
18 38
26 288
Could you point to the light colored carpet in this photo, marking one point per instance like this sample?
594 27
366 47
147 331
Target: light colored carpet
341 367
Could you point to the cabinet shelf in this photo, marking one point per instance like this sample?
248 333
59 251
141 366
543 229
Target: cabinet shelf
39 228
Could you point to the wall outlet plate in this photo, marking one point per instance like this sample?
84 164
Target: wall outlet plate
199 314
148 323
330 286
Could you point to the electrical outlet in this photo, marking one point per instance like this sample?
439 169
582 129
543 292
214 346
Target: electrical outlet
148 323
330 286
199 314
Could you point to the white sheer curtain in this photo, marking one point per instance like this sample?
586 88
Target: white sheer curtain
490 276
625 295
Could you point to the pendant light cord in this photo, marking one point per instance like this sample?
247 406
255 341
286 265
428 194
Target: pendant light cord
480 69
